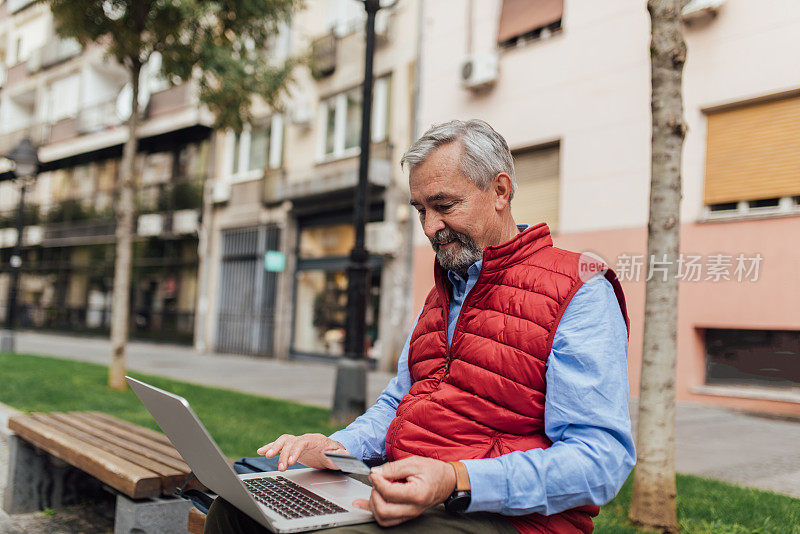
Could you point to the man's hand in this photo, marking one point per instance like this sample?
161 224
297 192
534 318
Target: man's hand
404 489
306 449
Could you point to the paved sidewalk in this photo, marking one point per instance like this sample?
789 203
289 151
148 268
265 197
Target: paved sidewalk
306 382
741 448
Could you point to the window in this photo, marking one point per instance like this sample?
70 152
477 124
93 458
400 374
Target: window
30 36
537 197
340 120
321 292
752 155
524 20
60 99
259 146
753 357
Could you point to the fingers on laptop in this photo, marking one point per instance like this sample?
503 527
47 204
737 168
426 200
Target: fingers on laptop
291 448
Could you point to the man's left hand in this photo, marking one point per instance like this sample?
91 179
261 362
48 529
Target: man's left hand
404 489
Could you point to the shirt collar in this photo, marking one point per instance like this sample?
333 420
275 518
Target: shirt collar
474 269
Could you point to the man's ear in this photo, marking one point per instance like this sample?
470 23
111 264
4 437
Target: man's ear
501 185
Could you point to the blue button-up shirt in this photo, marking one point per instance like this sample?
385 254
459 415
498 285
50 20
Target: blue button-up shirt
585 414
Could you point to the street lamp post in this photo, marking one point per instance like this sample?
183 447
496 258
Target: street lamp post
349 398
26 162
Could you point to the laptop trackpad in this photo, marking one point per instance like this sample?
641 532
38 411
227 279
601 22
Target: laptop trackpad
334 485
342 489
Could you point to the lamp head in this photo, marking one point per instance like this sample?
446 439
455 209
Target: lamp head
25 158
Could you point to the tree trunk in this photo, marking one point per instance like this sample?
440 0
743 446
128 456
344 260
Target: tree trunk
125 207
653 503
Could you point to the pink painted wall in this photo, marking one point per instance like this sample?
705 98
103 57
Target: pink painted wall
769 303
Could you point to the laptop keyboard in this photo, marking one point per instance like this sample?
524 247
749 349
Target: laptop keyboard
288 499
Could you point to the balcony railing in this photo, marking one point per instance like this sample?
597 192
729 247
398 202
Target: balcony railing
96 118
173 206
57 50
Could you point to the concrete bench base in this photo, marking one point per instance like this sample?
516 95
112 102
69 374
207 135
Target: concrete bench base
151 516
38 480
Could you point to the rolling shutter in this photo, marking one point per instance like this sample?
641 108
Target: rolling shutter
536 199
753 152
519 17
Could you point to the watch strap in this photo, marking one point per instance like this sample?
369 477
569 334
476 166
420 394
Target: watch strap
462 476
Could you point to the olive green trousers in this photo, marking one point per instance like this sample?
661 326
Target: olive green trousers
224 518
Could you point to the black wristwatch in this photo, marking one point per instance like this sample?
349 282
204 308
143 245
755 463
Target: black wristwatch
458 501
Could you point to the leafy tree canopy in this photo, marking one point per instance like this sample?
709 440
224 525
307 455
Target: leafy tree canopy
221 42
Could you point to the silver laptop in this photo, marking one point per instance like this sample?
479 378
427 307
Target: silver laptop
283 501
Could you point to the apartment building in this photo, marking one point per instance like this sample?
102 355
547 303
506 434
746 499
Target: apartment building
273 274
73 102
568 84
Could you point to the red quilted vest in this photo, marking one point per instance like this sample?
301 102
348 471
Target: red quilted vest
485 396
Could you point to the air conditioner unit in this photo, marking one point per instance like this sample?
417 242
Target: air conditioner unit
221 192
698 10
479 70
382 26
150 224
383 238
302 114
186 221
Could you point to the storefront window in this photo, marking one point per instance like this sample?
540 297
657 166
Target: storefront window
327 241
321 292
321 312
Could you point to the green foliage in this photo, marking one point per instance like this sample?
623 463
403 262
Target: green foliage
221 42
240 423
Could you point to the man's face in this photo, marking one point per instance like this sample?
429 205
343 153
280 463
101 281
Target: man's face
457 216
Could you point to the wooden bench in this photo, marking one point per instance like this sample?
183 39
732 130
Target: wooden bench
197 521
139 464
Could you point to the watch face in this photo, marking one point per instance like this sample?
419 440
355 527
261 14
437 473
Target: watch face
458 502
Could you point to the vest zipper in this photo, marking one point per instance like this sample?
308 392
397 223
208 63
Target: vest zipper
455 329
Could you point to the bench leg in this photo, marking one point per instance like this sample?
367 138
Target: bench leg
151 516
25 470
37 480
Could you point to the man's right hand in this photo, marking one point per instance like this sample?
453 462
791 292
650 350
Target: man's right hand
306 449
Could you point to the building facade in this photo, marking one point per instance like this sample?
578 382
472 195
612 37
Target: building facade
73 102
568 84
279 219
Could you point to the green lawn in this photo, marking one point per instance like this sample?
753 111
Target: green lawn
712 507
241 423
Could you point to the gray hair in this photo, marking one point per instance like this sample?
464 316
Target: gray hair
485 152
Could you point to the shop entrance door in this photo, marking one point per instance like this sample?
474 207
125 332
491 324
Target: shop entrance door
247 291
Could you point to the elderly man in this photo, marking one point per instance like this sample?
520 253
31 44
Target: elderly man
510 401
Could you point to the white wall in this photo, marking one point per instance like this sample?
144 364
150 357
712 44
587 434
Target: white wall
589 87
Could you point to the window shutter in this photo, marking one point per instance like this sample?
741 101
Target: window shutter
519 17
536 199
753 152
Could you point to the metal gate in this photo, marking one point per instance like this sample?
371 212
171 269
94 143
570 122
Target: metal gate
246 318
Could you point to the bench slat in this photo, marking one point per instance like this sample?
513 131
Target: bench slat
136 429
134 437
124 476
156 456
171 478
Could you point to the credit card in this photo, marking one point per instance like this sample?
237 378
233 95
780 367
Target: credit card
347 463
